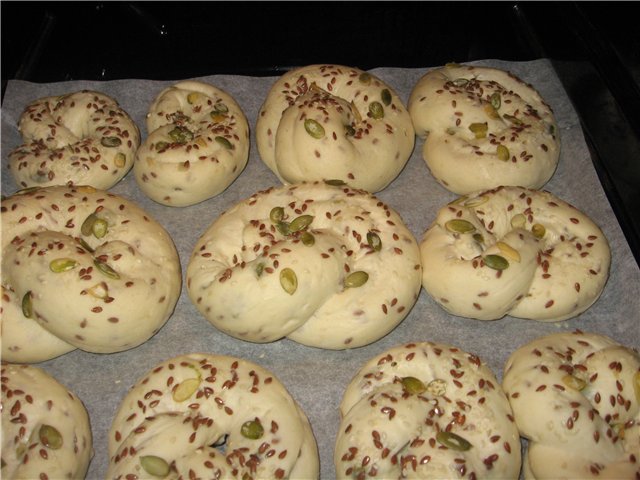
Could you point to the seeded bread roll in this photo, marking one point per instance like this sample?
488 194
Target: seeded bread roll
198 144
576 398
211 416
426 410
326 266
45 428
483 128
514 251
82 268
331 122
81 138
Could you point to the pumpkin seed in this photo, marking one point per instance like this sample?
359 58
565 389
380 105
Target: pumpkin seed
162 146
60 265
518 221
479 129
21 449
478 238
636 385
193 97
283 228
27 305
376 110
221 107
460 82
181 134
459 226
552 129
538 230
307 239
84 245
106 269
452 65
185 389
503 153
259 269
110 141
276 215
496 262
512 119
356 279
334 182
437 387
99 290
365 78
87 226
413 385
508 251
451 131
217 117
120 160
385 95
349 131
313 128
24 191
496 100
300 223
253 429
356 112
153 465
99 228
224 142
491 112
476 201
288 281
453 441
373 239
574 382
50 437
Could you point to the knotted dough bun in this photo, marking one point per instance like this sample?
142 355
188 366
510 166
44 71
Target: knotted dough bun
211 416
426 410
46 432
81 138
483 128
198 144
331 122
326 266
82 268
576 398
514 251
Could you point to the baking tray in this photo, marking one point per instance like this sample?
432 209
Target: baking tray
317 378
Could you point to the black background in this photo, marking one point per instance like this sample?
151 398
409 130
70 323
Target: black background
594 47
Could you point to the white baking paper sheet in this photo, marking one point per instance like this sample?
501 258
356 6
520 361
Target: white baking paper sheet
317 378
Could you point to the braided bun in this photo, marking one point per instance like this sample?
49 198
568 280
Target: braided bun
45 428
82 268
426 410
483 128
576 398
211 416
331 122
326 266
81 138
514 251
198 144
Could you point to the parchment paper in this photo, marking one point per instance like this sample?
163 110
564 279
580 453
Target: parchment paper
317 378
